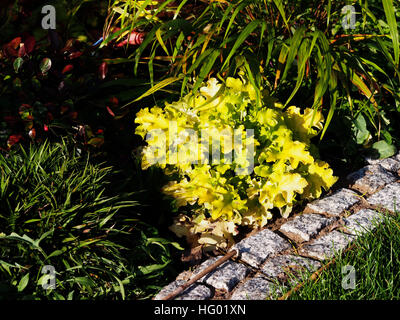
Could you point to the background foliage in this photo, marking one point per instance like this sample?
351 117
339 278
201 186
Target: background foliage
298 50
55 84
58 209
107 59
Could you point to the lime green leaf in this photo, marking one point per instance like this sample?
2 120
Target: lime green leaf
18 63
23 282
45 65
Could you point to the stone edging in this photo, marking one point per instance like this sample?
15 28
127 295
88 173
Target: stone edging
302 242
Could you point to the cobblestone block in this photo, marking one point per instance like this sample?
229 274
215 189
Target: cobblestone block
325 247
225 277
304 227
361 222
334 204
289 267
387 198
370 178
194 292
390 164
258 247
257 288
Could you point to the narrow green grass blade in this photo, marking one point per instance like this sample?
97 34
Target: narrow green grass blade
334 95
177 46
227 12
253 81
161 41
205 70
157 87
394 32
143 46
161 7
279 5
241 38
303 58
199 60
182 3
293 49
232 19
328 11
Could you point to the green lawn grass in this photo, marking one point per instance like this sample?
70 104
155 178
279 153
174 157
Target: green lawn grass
376 261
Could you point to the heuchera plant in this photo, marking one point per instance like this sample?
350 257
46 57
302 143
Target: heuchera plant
220 196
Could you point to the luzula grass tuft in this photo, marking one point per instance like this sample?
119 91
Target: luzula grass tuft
57 210
375 258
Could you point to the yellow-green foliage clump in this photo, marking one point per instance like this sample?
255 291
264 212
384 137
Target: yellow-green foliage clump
226 192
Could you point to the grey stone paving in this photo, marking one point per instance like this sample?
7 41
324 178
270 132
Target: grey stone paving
334 204
194 292
225 277
257 288
370 178
361 222
326 246
387 198
255 249
305 226
289 267
390 164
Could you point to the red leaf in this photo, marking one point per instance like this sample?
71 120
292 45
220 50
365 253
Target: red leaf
103 69
30 43
22 50
110 111
14 43
11 47
67 68
13 139
75 55
114 101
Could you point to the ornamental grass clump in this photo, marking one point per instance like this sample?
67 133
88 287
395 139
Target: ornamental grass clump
66 233
232 158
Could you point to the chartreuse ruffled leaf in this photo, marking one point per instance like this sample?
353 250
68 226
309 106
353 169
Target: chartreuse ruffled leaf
207 147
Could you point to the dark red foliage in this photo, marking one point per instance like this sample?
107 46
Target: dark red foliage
55 86
14 139
11 48
75 55
29 43
67 68
114 101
